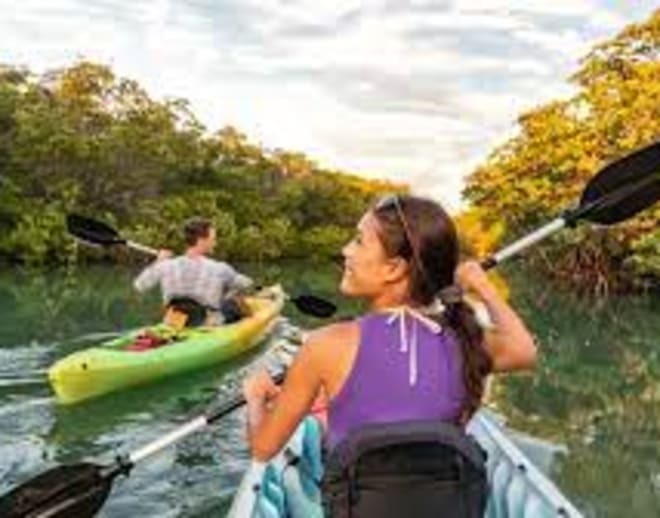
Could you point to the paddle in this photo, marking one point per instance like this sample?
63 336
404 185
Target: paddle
95 232
617 192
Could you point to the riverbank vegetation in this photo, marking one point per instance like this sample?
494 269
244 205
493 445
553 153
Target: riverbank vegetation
80 139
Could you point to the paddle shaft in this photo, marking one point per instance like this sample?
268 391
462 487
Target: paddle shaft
525 242
212 415
192 426
141 248
304 303
301 302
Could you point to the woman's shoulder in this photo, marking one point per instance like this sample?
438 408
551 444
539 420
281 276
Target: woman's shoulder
328 339
331 347
345 331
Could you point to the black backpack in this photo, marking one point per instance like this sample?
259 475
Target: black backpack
421 469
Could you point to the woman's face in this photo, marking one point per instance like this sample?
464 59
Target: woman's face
367 269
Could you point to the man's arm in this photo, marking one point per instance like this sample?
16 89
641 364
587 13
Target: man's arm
236 281
152 274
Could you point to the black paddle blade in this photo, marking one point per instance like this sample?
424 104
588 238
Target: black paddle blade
315 306
92 231
623 188
71 490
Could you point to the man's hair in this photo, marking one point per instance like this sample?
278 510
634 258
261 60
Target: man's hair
195 229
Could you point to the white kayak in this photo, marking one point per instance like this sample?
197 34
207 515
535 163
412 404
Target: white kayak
288 485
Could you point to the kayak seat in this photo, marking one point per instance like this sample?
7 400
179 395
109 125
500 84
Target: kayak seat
304 461
312 457
192 310
233 310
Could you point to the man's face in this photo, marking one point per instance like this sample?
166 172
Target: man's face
208 242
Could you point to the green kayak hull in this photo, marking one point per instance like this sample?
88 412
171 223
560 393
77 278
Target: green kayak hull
109 367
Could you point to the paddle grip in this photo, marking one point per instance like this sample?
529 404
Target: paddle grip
489 262
238 401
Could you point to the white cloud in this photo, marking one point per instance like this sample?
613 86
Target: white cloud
458 20
407 91
312 11
555 8
566 43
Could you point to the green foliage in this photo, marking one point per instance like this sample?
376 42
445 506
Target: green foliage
313 243
81 139
645 260
35 232
561 145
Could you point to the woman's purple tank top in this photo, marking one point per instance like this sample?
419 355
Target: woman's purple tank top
405 369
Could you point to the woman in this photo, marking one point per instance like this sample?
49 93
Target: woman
418 356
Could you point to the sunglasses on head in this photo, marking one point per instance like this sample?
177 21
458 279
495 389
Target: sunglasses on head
393 201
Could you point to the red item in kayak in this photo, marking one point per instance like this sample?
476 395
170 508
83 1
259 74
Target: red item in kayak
145 342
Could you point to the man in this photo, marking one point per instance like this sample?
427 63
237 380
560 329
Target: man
209 282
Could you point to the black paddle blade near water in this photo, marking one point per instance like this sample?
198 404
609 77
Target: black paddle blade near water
64 491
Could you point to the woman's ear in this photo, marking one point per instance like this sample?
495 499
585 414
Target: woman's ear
396 269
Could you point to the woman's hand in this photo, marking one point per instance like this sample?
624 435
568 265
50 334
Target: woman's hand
472 277
272 416
260 389
260 392
508 341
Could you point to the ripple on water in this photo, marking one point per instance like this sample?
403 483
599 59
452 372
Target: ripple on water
26 359
22 458
24 415
173 482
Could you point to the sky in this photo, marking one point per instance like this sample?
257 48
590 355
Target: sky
416 91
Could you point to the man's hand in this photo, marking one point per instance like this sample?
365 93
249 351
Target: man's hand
164 254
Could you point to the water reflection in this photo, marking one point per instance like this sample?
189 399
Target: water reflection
597 390
49 307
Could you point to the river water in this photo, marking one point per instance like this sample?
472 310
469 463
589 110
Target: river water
596 391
